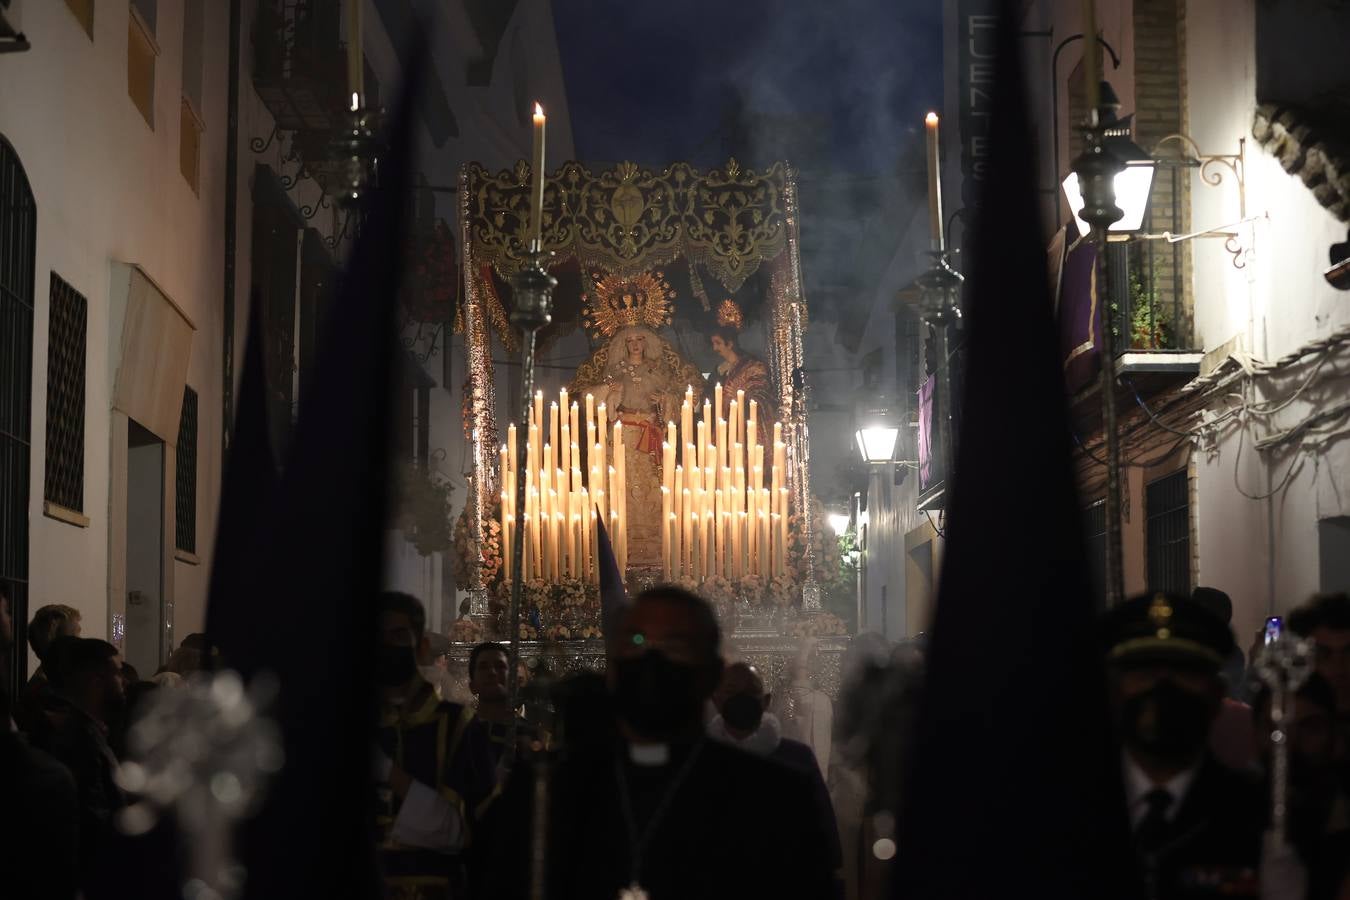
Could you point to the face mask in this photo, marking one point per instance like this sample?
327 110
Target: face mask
657 697
743 712
1166 722
395 664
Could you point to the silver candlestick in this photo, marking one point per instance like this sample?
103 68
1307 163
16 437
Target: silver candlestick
206 751
533 309
1283 666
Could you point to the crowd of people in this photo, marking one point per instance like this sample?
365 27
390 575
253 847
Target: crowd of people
671 774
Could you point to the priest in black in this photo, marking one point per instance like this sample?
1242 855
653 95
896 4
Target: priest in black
663 812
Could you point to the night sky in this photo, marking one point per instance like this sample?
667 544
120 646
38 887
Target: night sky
653 81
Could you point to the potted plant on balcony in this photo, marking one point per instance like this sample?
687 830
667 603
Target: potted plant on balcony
1150 320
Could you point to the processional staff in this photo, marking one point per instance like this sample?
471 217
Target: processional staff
533 301
1284 664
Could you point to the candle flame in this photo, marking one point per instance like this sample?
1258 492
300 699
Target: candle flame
538 110
931 119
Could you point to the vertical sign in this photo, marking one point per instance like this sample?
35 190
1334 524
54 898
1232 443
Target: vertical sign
977 46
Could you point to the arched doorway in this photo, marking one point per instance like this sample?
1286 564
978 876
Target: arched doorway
18 233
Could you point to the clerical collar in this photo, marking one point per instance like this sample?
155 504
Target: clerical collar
651 755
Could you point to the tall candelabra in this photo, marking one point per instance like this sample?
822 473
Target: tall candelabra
533 298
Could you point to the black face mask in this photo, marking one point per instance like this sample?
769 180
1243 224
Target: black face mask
395 664
743 712
657 697
1167 722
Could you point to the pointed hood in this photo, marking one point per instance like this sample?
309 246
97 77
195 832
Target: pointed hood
247 488
1015 786
613 594
311 594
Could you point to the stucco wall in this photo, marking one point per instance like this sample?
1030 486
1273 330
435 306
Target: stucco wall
108 188
1264 552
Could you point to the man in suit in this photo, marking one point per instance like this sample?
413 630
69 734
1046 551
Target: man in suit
87 702
744 722
1197 825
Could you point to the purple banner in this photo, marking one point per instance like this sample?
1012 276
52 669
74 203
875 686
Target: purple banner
1080 323
926 432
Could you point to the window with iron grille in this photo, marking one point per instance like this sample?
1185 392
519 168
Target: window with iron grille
18 233
1168 506
185 488
64 483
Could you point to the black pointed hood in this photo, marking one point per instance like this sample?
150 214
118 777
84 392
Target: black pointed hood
1015 786
313 589
247 488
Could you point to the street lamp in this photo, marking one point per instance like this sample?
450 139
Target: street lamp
877 435
1132 178
1097 170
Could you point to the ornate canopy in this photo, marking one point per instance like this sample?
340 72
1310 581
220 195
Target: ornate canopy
628 220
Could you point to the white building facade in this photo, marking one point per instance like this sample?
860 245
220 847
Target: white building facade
1235 469
111 129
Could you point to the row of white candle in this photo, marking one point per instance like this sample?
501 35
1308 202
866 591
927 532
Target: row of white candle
564 494
721 520
720 515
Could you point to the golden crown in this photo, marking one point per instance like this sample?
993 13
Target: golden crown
729 315
622 301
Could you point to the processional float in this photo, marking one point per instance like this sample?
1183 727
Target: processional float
697 482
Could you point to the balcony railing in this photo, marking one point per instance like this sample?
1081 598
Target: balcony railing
1149 289
299 65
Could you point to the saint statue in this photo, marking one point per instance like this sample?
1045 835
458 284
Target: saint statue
742 371
641 380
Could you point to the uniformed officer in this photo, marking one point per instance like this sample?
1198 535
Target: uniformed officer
1197 825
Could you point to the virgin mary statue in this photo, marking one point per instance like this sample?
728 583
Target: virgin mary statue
641 380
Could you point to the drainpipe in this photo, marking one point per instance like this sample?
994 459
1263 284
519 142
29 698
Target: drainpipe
231 233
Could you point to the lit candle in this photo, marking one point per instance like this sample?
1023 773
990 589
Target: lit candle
707 546
602 452
717 400
935 182
688 522
687 422
707 423
505 545
576 436
665 531
537 188
553 445
720 458
673 534
717 505
740 543
559 527
587 536
740 415
574 533
356 68
1092 66
539 410
565 453
779 543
